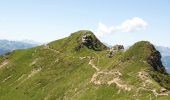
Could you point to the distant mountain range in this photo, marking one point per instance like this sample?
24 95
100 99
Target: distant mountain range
7 46
165 52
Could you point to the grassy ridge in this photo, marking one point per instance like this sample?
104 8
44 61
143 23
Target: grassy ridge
58 71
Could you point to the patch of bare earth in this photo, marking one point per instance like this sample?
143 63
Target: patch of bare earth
147 82
33 72
3 64
108 77
47 47
7 78
33 62
114 77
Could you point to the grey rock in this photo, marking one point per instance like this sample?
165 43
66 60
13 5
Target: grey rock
86 38
114 49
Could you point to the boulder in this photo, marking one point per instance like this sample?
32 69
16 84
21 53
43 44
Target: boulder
117 48
163 90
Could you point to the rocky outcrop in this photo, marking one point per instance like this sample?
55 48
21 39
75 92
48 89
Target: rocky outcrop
86 38
89 40
114 49
117 48
155 61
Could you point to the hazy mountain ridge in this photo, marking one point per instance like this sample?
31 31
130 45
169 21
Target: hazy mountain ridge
165 52
8 46
166 62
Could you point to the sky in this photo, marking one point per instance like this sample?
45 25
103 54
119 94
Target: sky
112 21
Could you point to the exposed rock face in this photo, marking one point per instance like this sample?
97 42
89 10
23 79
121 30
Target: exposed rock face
155 61
86 38
117 48
89 40
114 49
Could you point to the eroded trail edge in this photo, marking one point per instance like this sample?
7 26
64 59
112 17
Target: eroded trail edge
114 77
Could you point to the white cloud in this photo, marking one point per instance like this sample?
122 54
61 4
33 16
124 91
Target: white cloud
130 25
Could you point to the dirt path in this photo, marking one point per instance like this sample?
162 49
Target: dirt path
97 57
7 78
21 77
93 65
33 72
153 91
146 82
101 77
56 51
119 84
33 62
3 64
47 47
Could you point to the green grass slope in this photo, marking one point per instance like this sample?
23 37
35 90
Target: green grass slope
72 69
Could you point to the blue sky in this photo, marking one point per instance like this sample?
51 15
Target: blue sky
48 20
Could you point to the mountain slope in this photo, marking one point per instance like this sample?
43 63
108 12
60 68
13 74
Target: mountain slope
8 46
78 68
